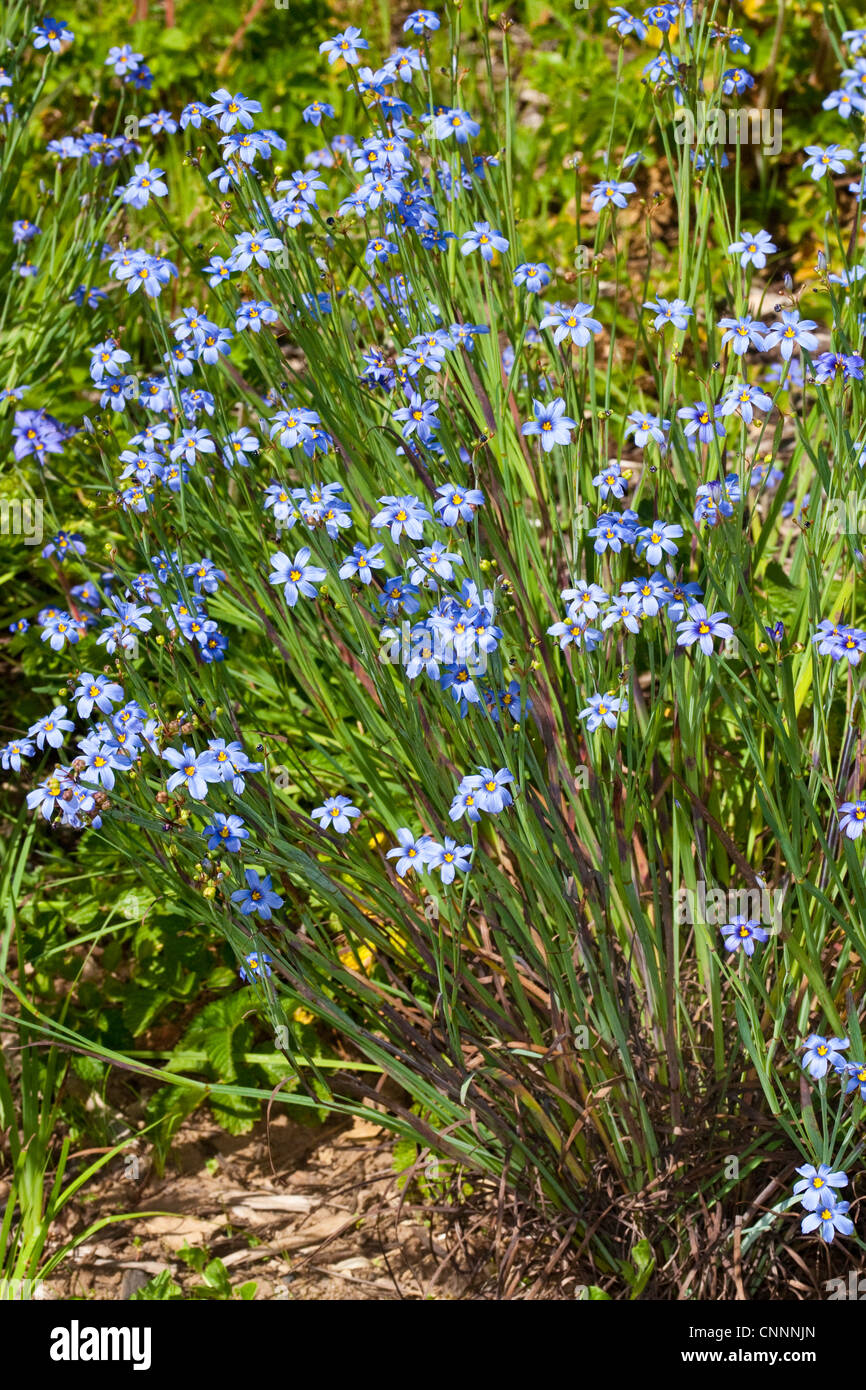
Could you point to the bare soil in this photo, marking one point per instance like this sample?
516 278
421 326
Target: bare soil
307 1212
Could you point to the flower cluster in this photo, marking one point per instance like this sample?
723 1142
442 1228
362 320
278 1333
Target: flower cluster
402 494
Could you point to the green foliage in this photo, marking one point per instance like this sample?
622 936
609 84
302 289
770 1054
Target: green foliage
215 1282
472 1000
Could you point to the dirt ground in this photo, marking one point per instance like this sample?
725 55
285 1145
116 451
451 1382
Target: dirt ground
308 1213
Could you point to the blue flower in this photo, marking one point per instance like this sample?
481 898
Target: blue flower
662 68
484 239
191 442
344 45
296 576
123 60
226 833
790 332
828 365
465 800
675 311
96 691
379 250
457 679
735 42
852 818
816 1183
192 770
293 426
828 1218
551 423
101 761
745 399
533 275
465 333
715 501
840 641
229 111
59 630
51 728
603 709
107 358
12 753
216 270
159 123
652 594
48 796
402 516
854 40
455 504
399 596
449 858
753 248
585 599
736 80
409 852
239 444
701 627
610 192
362 562
314 113
664 17
611 483
232 762
91 297
246 146
257 897
461 125
856 1073
741 934
485 790
574 323
256 964
253 246
142 271
51 33
418 417
433 560
611 534
844 103
192 115
826 160
702 420
627 608
336 813
658 540
421 21
743 333
146 183
131 717
822 1053
645 427
625 24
